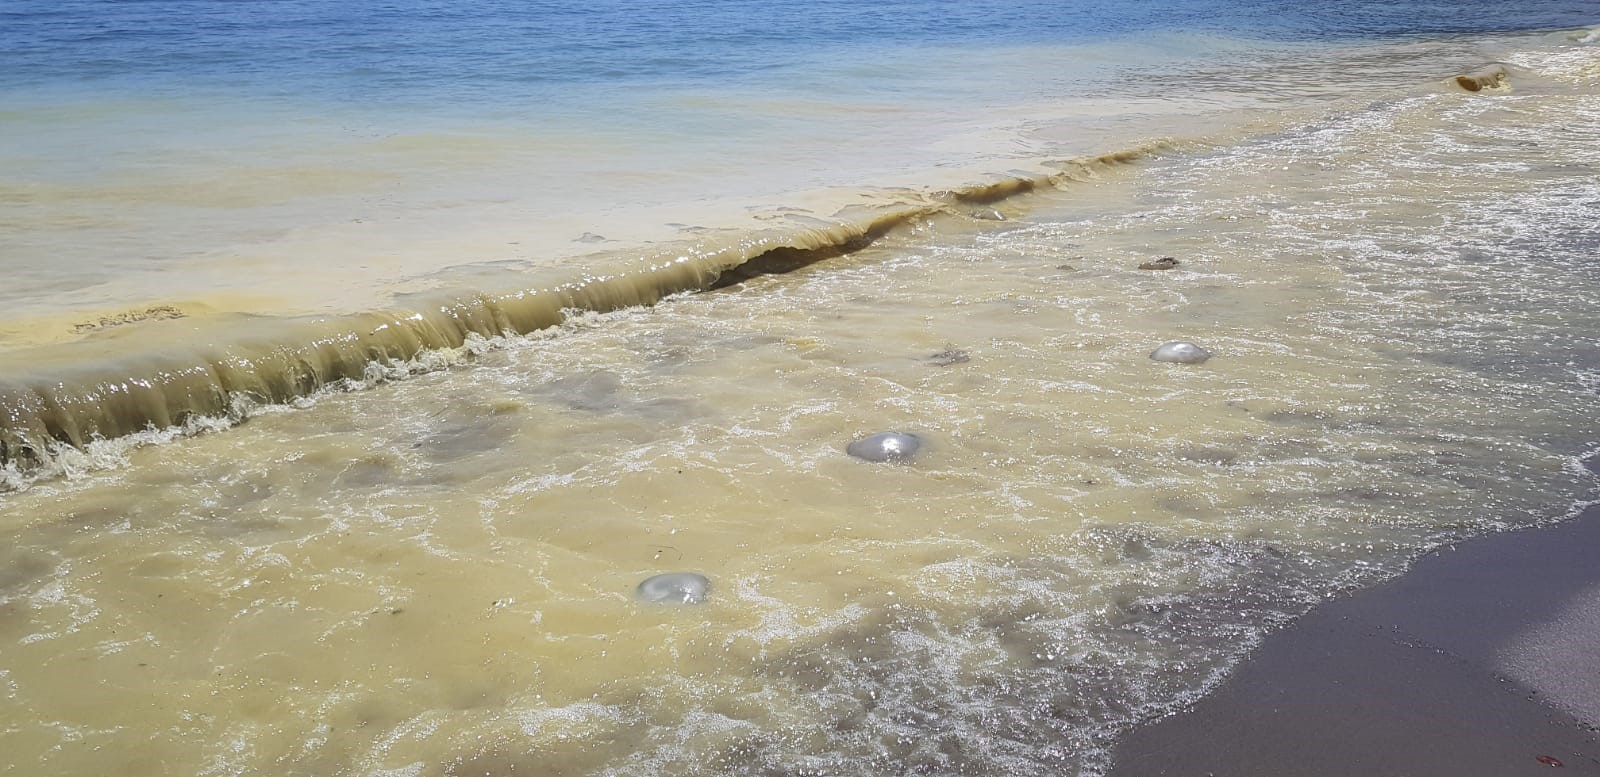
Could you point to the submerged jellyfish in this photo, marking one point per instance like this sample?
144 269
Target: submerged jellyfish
1180 352
677 587
893 447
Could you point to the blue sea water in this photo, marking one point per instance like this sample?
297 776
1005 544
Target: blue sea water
593 67
464 52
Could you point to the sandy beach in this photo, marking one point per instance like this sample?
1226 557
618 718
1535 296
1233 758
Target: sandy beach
1478 662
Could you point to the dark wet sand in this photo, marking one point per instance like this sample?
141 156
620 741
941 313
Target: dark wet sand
1481 659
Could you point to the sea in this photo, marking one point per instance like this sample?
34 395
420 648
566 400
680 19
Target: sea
358 360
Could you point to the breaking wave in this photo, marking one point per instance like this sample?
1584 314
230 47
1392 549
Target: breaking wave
55 421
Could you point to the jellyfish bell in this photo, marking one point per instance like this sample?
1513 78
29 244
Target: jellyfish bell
894 447
1180 352
675 587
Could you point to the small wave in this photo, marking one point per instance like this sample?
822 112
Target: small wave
58 421
55 458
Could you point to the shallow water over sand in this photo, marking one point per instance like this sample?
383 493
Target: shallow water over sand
436 575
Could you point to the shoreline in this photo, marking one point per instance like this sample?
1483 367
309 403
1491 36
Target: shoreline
1479 660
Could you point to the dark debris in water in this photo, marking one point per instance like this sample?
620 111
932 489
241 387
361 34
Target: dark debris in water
950 356
21 568
155 313
461 438
603 392
1164 263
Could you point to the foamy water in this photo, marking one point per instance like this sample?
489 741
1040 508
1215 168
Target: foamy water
426 566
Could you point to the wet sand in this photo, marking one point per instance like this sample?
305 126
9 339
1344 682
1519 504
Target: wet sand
1483 658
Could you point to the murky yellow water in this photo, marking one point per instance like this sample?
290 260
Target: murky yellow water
435 575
